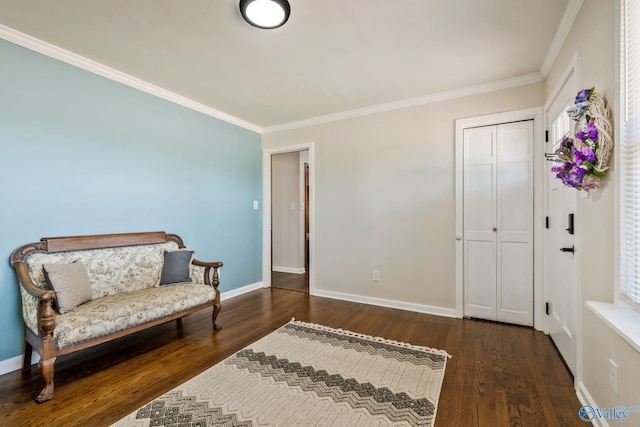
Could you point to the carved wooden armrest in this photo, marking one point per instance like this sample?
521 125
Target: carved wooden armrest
210 279
46 314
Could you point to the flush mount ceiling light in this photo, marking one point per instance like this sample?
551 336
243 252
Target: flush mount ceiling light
265 14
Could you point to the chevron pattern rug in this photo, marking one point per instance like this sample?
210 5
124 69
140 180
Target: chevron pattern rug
307 374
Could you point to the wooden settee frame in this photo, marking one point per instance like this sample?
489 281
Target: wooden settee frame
44 343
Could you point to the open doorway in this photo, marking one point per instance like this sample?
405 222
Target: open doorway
290 199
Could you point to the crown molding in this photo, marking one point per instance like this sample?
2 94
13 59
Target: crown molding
411 102
566 22
40 46
568 18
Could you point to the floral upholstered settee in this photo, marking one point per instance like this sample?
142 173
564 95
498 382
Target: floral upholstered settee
81 291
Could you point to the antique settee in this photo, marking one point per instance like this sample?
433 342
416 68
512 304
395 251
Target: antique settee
135 281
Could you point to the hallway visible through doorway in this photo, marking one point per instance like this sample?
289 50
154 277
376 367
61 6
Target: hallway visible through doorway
290 220
292 282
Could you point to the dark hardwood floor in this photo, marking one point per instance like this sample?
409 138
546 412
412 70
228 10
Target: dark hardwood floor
292 282
500 375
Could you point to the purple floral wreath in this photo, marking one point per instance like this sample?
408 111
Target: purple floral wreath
577 156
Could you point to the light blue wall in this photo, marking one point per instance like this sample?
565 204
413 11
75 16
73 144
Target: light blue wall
80 154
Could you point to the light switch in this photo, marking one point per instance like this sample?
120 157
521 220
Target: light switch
255 205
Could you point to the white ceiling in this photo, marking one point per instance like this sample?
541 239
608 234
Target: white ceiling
332 56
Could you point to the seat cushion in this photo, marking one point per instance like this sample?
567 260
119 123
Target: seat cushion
114 313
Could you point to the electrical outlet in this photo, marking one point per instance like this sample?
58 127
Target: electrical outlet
375 275
613 375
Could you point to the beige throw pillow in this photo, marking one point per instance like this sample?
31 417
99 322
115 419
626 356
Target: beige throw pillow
71 284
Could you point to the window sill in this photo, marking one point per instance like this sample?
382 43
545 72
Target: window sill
625 321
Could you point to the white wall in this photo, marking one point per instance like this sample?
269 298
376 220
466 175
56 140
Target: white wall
385 197
593 35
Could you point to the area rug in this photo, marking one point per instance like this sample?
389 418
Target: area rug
305 374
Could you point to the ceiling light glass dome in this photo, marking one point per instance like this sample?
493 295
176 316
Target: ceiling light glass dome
265 14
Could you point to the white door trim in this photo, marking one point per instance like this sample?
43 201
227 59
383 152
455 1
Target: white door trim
537 115
266 212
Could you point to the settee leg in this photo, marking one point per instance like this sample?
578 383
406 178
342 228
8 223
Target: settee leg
46 370
26 360
216 311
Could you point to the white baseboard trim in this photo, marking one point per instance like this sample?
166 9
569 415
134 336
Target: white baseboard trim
585 399
10 365
402 305
291 270
15 363
243 290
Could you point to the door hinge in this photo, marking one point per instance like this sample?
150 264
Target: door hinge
546 136
546 308
546 222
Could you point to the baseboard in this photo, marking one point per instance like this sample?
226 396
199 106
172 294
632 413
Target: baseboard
291 270
586 399
10 365
239 291
15 363
402 305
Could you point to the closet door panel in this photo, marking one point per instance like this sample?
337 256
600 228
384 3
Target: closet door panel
514 170
481 290
479 220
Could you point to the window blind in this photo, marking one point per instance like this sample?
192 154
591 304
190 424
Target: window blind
629 140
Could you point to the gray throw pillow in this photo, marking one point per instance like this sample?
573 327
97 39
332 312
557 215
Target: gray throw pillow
70 283
176 267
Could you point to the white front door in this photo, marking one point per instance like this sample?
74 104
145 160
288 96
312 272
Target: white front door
560 258
498 222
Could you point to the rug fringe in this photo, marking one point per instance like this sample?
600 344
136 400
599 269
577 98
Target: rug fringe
370 337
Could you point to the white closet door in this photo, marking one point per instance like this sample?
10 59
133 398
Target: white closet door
498 222
479 222
515 223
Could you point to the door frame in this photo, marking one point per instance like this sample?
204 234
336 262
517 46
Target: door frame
305 229
266 211
537 115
